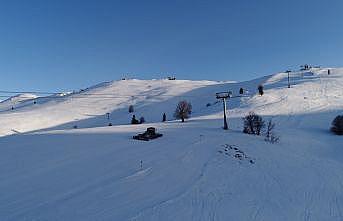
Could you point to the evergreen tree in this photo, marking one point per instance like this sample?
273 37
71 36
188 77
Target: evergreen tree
131 110
260 89
241 91
337 125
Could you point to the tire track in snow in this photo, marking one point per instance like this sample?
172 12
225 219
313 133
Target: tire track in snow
160 204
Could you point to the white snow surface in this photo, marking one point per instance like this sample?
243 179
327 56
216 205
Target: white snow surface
16 101
51 171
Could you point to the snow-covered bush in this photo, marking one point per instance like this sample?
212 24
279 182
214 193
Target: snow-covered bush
337 125
183 110
131 109
270 135
253 124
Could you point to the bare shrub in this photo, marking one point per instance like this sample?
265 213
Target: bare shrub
253 124
270 135
183 110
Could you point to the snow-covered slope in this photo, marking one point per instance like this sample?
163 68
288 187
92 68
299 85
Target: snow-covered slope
88 108
16 101
98 172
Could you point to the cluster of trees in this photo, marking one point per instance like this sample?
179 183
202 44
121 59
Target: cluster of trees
183 111
135 121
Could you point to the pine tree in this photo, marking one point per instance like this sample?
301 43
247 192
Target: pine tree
241 91
131 110
260 90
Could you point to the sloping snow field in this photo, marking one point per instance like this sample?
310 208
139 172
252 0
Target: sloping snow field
17 100
50 171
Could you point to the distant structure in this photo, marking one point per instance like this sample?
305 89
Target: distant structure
172 78
305 67
126 76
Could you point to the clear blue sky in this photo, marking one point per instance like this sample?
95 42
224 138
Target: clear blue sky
54 45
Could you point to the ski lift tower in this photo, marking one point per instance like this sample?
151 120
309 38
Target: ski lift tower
223 96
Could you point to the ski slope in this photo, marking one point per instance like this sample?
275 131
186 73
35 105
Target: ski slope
88 107
50 171
17 100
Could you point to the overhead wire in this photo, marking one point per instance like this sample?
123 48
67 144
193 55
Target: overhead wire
88 95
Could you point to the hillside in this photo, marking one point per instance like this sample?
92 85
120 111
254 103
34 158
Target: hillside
16 101
88 108
51 171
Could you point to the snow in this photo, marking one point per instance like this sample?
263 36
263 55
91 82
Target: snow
16 101
88 107
50 171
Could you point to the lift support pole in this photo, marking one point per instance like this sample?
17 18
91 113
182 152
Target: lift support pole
223 96
289 84
225 121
